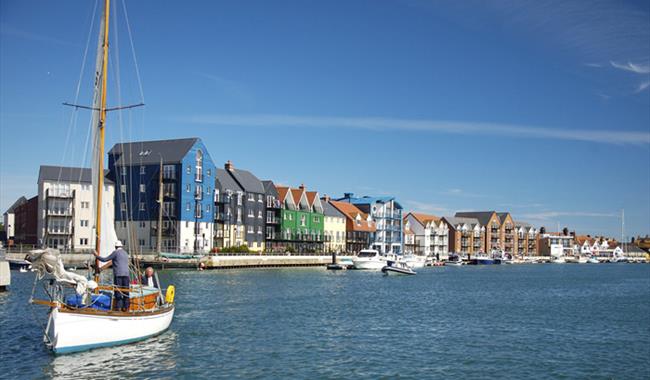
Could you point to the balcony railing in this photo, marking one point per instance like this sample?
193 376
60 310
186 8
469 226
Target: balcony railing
272 220
63 194
56 231
59 212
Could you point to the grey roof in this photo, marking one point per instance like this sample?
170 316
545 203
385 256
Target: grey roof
226 182
269 188
149 152
502 216
67 174
247 181
523 224
482 216
330 210
456 220
18 202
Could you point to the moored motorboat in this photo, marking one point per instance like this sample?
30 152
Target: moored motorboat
454 260
481 259
593 260
558 260
369 259
397 267
414 261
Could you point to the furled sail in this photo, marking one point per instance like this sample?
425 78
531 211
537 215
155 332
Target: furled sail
107 234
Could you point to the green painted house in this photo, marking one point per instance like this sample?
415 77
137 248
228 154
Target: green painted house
301 226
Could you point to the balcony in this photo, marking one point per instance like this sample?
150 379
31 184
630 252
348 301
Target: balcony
59 212
198 177
276 204
61 194
56 231
272 220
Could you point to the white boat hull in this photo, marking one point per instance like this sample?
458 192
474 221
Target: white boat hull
373 264
72 332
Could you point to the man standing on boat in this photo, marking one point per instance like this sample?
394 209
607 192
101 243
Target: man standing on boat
121 278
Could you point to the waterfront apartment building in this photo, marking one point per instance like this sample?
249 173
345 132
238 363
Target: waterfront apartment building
525 239
360 228
499 229
25 222
387 214
556 244
273 210
466 235
187 209
8 218
430 235
65 208
240 209
334 227
301 226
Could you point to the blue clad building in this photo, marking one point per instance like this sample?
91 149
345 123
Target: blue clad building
188 178
387 214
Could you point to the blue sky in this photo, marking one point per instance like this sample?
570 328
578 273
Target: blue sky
536 107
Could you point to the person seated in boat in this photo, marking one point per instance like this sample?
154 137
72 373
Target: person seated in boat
148 279
120 262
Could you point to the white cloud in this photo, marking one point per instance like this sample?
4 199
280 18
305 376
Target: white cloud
431 208
643 86
551 215
637 68
440 126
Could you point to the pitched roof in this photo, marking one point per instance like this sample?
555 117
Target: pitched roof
282 192
330 210
423 219
67 174
269 188
247 180
311 197
296 194
351 212
226 181
18 202
482 216
149 152
502 216
456 220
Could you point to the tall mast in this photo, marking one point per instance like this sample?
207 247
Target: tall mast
160 206
103 62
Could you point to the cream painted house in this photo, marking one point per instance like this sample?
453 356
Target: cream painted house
334 227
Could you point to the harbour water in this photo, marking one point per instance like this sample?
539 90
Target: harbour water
514 321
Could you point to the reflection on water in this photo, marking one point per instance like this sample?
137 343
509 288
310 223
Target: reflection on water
153 357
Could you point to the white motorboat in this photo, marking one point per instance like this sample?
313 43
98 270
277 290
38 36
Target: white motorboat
454 260
414 261
583 260
369 259
397 267
593 260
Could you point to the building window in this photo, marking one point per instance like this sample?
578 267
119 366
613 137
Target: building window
85 204
188 206
199 166
168 209
259 230
259 214
84 223
142 224
239 198
250 230
251 197
316 219
143 188
122 206
303 220
169 172
188 188
83 241
142 206
208 172
141 241
207 208
124 169
198 212
123 189
260 198
142 170
85 187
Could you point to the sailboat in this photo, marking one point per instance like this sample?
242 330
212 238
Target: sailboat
81 315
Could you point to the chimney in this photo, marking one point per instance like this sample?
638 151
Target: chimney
326 198
302 186
228 166
348 195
